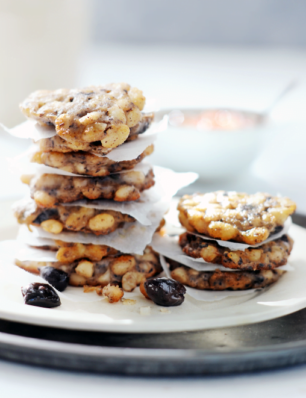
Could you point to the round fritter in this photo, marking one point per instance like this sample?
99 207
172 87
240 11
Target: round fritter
71 218
96 113
126 270
49 190
268 256
58 144
235 216
223 280
86 163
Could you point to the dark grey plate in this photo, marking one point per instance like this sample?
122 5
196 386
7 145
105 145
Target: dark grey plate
277 343
272 344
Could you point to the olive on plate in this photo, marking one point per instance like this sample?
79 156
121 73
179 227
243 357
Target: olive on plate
40 295
163 292
56 277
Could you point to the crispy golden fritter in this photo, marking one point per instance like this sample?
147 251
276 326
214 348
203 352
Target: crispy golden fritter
58 144
49 190
235 216
71 218
125 270
86 163
223 280
96 113
268 256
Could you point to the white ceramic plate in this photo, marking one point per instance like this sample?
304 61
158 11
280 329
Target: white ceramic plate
286 296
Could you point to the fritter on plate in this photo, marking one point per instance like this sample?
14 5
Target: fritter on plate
235 216
223 280
268 256
126 270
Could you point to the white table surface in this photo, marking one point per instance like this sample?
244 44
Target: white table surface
28 382
205 77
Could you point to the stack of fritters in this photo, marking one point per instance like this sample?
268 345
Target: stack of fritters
233 217
88 124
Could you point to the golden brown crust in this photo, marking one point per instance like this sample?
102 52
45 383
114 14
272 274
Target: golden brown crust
72 251
101 113
86 163
268 256
235 216
58 144
125 270
72 218
49 190
224 280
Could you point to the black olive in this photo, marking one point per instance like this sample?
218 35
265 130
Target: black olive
56 277
165 292
40 295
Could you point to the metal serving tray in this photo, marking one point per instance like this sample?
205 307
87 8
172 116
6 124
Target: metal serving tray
272 344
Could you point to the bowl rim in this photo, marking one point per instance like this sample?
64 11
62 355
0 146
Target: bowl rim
265 120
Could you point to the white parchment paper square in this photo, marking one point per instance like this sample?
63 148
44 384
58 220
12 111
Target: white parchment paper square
131 238
30 130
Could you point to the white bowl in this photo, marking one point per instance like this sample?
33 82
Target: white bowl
216 154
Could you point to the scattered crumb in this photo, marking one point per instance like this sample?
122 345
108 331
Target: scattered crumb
114 293
89 289
165 311
99 290
128 302
145 311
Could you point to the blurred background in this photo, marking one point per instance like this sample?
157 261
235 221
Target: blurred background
183 54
